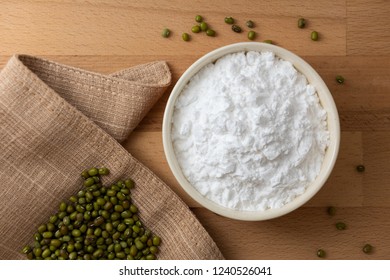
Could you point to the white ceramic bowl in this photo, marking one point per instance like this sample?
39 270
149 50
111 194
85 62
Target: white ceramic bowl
327 103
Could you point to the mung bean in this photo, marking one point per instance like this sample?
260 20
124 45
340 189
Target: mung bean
314 35
203 26
236 28
185 36
166 32
341 226
210 32
88 224
360 168
250 24
229 20
301 23
251 35
331 211
367 248
340 79
321 253
195 29
198 18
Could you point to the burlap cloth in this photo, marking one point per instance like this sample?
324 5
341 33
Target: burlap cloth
57 120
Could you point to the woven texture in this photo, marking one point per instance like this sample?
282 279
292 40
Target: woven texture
57 120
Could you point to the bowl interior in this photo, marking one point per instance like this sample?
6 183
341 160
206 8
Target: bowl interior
327 103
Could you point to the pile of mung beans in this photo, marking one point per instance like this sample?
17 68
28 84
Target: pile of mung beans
99 222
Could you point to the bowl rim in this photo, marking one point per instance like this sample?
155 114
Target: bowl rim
326 101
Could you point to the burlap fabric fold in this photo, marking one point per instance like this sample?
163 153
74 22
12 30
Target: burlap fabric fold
57 120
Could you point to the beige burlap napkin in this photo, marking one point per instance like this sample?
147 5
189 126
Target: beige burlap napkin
57 120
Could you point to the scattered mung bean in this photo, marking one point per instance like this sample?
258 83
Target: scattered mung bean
340 79
341 226
331 211
301 23
203 26
314 35
321 253
185 36
166 32
360 168
367 248
250 24
251 35
210 32
198 18
195 29
229 20
236 28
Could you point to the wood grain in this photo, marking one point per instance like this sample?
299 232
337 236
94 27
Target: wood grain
368 27
301 233
106 36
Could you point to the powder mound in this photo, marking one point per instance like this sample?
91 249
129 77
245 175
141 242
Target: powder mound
249 132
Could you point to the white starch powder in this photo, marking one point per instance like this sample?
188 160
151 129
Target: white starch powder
249 132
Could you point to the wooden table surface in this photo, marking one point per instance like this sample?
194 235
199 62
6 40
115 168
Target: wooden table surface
354 41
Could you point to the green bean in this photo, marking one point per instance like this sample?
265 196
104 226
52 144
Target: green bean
89 182
121 227
156 241
314 35
360 168
340 79
229 20
55 243
121 196
118 208
236 28
153 249
76 232
331 211
341 226
37 252
139 244
84 174
104 171
185 36
210 32
46 253
133 250
47 234
93 172
136 229
73 256
321 253
195 29
198 18
250 24
42 228
151 257
367 248
301 22
111 192
50 227
129 183
133 208
26 249
203 26
166 32
251 35
62 207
